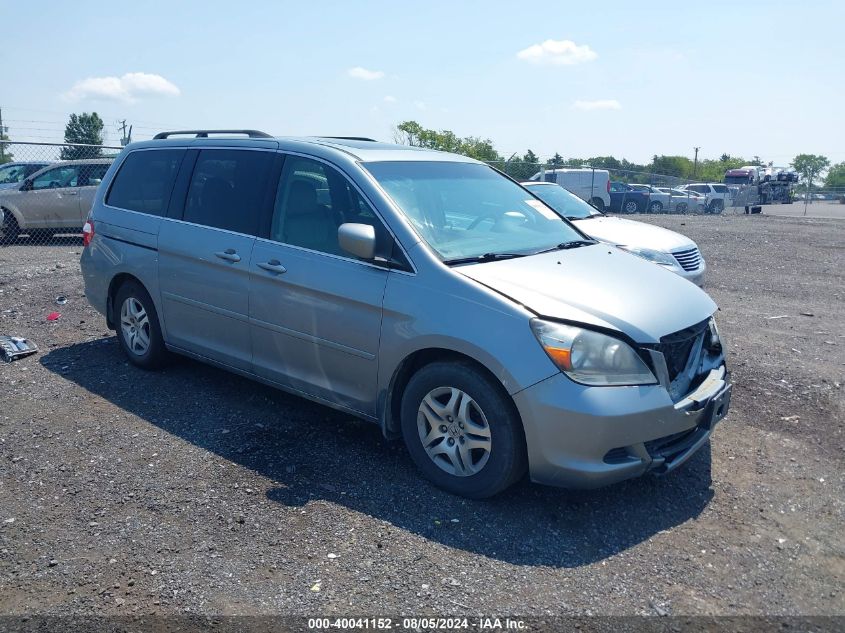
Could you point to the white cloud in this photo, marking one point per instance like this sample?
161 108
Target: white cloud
598 104
127 88
420 105
390 99
557 53
363 73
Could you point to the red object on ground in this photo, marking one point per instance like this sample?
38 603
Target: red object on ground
53 316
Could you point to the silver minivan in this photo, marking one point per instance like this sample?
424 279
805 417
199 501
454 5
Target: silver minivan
420 290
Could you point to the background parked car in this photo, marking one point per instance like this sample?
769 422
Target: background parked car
684 201
626 199
54 199
12 174
591 185
718 195
658 200
671 250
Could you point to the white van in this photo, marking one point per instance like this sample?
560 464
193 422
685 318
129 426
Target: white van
591 185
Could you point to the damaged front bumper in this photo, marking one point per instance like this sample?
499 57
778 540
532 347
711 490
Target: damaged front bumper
587 437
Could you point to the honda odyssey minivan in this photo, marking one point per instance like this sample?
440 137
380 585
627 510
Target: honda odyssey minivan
420 290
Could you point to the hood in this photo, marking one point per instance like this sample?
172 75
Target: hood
632 233
598 285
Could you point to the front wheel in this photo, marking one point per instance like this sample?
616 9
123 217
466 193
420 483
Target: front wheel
462 431
681 207
717 206
138 330
655 207
631 206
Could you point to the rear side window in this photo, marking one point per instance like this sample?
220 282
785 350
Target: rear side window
228 189
145 180
720 188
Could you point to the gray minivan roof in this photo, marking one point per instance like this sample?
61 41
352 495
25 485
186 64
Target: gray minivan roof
364 151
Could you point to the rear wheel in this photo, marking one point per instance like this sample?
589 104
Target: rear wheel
717 206
9 229
598 203
462 431
681 207
655 207
630 206
138 330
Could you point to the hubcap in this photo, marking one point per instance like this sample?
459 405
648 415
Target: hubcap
454 431
135 326
631 207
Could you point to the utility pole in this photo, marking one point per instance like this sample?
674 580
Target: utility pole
695 164
125 138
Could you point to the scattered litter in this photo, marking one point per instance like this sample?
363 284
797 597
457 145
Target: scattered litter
10 520
455 520
53 316
780 316
789 418
331 556
660 611
61 300
14 347
316 586
807 314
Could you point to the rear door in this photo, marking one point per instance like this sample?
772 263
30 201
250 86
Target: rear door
205 245
53 201
315 310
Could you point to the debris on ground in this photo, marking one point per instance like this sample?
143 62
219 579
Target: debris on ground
15 347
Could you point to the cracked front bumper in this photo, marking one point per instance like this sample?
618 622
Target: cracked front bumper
586 437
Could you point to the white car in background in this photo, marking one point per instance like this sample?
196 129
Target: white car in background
660 246
591 185
717 194
659 201
684 201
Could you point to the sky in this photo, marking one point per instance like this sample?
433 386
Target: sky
628 79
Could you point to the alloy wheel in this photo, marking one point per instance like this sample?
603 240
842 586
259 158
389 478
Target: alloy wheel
135 326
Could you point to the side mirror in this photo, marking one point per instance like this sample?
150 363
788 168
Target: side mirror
26 186
358 240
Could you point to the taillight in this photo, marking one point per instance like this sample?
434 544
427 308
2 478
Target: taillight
87 233
607 186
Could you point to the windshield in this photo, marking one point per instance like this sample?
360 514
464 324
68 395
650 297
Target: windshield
465 210
12 174
567 204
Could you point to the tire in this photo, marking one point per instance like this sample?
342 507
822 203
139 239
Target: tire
9 230
655 207
135 312
598 203
681 207
630 206
480 412
717 206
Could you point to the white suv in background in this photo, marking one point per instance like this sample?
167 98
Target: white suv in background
717 195
591 185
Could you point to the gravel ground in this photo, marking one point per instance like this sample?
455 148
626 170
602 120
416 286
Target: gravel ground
195 491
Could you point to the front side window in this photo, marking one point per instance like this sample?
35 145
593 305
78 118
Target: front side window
144 181
312 201
566 204
57 178
465 210
228 188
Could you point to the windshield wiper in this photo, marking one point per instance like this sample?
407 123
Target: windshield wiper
566 245
487 257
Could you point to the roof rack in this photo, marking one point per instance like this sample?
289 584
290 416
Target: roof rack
205 133
351 138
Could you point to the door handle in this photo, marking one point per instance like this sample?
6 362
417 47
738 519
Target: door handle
229 255
71 193
273 266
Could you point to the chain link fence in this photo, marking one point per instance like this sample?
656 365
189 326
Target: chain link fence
47 189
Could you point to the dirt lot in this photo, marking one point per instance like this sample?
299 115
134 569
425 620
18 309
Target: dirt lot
192 490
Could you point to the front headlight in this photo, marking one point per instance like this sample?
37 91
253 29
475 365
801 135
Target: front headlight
656 257
591 358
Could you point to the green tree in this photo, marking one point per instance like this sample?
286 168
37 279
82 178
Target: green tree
412 133
530 157
5 154
86 129
835 176
556 160
809 167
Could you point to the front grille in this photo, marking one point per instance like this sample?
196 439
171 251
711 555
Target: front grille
689 259
676 348
671 445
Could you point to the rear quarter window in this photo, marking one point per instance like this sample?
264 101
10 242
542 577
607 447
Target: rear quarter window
145 180
720 189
